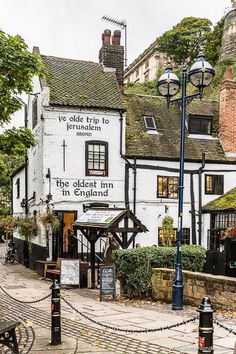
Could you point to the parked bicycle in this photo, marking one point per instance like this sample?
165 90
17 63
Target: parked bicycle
10 256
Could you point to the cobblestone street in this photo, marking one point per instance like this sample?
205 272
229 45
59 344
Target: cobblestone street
79 335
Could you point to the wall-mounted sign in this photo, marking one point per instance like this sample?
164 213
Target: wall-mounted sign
83 124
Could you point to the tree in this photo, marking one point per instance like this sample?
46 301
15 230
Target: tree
213 47
13 148
184 41
17 68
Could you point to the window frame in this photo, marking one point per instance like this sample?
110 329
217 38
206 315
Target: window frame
176 193
146 125
185 236
216 179
87 169
200 119
18 188
34 112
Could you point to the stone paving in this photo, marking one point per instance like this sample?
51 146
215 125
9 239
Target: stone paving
79 335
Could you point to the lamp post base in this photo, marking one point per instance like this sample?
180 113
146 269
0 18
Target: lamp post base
177 297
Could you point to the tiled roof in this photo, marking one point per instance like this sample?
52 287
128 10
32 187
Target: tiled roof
224 202
166 144
81 83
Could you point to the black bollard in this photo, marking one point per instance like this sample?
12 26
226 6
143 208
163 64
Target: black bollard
205 338
55 314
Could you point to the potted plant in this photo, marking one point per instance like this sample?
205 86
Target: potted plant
50 219
167 229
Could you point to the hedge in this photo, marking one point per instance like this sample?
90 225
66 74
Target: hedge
134 266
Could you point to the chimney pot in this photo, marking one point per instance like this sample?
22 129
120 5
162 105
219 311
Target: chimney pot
229 75
116 37
106 37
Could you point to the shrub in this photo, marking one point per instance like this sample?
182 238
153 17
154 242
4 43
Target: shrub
134 266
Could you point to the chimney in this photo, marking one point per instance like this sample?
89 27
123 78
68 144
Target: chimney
111 55
227 115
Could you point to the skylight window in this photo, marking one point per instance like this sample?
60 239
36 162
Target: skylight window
150 123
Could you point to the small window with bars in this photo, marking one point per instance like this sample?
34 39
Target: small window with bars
214 184
149 122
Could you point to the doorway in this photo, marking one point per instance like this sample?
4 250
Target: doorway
64 243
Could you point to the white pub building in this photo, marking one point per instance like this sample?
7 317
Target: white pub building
98 148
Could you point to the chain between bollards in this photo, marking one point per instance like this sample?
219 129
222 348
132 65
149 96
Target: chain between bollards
55 313
205 338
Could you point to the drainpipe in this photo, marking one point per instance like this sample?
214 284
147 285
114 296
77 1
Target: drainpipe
193 215
200 171
135 186
26 170
128 165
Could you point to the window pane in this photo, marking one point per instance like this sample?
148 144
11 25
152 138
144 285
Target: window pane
200 125
96 159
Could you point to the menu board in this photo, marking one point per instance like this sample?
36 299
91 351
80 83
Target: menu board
70 271
107 281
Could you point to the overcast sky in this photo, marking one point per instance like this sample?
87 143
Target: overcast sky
73 28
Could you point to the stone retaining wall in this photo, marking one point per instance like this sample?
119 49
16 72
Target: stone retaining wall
220 289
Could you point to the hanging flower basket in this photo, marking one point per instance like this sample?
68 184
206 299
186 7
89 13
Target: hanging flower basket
50 219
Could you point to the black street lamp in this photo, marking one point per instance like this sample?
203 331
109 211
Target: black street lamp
200 75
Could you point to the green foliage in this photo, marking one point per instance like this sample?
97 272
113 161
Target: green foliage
51 219
185 40
213 47
8 224
167 228
134 266
13 148
17 68
27 228
147 88
16 141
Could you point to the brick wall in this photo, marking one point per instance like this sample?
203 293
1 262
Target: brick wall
111 55
227 116
220 289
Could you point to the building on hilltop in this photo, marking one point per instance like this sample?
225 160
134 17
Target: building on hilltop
145 67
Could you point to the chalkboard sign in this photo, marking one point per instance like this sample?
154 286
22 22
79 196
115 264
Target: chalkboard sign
70 271
107 281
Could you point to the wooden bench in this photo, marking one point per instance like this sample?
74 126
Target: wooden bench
8 335
51 267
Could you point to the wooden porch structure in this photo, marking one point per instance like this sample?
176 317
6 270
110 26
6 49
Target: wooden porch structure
98 222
